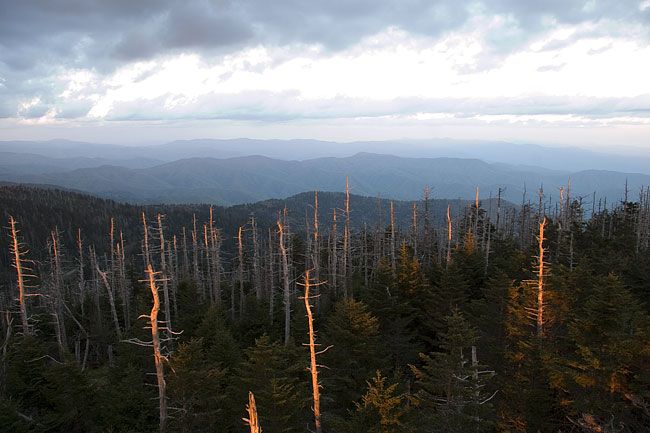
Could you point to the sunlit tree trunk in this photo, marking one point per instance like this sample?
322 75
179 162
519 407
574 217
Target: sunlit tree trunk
158 357
19 264
540 281
252 421
313 369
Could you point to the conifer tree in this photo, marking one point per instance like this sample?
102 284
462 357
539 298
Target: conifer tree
453 394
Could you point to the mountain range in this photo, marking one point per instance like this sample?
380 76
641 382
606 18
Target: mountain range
188 172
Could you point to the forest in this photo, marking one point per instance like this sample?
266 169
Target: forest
333 314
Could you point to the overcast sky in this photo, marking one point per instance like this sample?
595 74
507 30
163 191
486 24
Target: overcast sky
551 71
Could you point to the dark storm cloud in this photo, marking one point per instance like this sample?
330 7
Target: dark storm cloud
81 32
40 37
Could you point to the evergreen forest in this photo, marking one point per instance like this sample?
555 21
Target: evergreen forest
325 313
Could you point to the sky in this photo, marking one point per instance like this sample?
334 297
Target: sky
555 72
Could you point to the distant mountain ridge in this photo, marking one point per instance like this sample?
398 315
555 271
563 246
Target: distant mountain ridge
255 178
568 159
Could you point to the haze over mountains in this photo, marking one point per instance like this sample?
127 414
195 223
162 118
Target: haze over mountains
228 172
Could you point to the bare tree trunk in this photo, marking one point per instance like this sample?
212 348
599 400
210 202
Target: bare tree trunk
121 281
147 257
392 238
498 226
213 264
346 240
216 265
173 261
158 357
334 256
94 266
285 279
57 298
540 282
18 254
242 299
111 300
257 280
252 421
427 238
448 237
270 276
80 274
316 247
185 256
163 273
195 258
313 369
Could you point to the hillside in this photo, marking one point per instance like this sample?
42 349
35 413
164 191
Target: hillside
253 178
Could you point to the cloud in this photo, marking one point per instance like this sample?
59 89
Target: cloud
286 60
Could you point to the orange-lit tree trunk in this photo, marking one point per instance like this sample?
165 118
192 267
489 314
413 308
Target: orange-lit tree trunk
313 366
540 281
158 357
252 420
18 253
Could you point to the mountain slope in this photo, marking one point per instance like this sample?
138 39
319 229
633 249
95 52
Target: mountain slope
255 178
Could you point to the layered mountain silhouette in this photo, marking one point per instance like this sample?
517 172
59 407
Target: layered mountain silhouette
250 179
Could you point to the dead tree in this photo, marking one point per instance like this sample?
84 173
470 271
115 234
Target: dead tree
21 265
285 281
252 421
257 274
80 275
537 312
158 357
121 281
315 246
313 366
195 258
242 298
346 240
448 237
334 254
111 300
392 238
270 281
56 296
540 281
165 278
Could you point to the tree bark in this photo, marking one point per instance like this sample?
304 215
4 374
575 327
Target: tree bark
158 357
18 264
313 369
